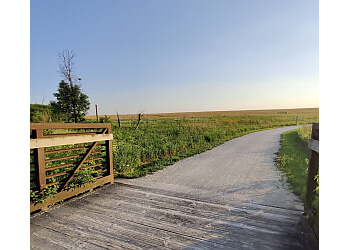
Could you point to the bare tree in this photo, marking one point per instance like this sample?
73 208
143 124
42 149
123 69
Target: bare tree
66 66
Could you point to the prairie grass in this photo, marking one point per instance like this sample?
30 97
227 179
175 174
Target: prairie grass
158 143
304 134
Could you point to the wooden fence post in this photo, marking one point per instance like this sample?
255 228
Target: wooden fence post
313 166
39 161
109 152
96 112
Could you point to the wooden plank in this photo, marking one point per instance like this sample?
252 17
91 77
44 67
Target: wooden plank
63 158
63 150
52 183
58 141
315 130
313 145
92 166
109 154
67 125
59 166
56 175
69 134
166 222
313 168
39 161
94 159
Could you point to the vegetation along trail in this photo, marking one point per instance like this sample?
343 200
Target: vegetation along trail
163 139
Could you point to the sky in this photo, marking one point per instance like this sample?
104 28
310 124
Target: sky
177 56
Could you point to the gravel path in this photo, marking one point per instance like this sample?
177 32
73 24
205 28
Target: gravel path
240 170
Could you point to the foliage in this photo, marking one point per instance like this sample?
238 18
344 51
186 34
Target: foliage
40 113
48 192
83 177
293 159
315 201
43 113
304 134
161 142
105 119
72 104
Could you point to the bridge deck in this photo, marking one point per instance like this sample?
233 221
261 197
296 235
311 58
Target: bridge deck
122 216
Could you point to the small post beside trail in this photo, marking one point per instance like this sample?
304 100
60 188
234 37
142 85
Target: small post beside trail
96 112
118 120
138 122
297 119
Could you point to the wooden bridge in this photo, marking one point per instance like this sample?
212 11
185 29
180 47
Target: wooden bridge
226 198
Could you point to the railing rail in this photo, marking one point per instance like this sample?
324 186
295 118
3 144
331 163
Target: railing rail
71 158
312 172
314 162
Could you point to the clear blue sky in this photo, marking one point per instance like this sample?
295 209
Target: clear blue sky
183 55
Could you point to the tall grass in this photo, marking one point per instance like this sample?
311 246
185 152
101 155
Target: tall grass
161 142
293 158
304 134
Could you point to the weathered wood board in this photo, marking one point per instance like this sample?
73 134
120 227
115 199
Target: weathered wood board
122 216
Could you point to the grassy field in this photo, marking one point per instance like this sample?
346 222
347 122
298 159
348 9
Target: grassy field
293 160
209 114
159 142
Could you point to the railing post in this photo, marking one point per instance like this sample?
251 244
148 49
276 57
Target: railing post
39 161
313 167
109 152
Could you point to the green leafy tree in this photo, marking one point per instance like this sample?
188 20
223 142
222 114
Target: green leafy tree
72 104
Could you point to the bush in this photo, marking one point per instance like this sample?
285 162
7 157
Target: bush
105 119
40 113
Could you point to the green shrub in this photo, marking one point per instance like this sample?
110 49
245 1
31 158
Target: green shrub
105 119
40 113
